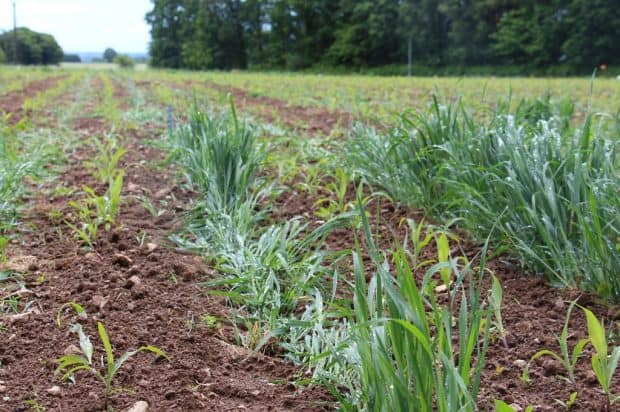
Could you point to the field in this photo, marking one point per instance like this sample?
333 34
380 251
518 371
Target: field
295 242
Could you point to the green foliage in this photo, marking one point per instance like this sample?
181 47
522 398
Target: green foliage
403 352
566 358
603 364
32 47
104 164
94 210
124 61
440 34
549 189
71 364
109 55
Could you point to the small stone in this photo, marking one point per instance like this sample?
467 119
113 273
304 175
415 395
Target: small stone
591 377
255 393
122 260
143 383
99 301
151 247
2 388
519 363
441 289
71 350
131 306
93 395
132 187
133 281
54 390
162 193
140 406
559 304
550 367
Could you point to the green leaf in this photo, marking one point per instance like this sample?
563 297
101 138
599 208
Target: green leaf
501 406
596 333
108 350
85 345
443 254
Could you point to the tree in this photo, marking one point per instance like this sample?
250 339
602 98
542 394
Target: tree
594 35
124 61
109 55
166 20
531 34
71 58
2 56
32 47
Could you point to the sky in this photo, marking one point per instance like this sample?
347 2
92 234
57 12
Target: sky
84 25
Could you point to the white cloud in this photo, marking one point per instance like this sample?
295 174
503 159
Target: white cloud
84 25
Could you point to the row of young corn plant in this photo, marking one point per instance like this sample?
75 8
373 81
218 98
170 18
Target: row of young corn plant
23 157
266 269
391 347
550 190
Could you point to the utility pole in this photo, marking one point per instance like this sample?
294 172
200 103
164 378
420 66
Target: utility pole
14 34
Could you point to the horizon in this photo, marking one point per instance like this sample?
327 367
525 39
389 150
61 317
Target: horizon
84 26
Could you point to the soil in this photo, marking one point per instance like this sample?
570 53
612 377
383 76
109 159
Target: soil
310 120
13 102
146 293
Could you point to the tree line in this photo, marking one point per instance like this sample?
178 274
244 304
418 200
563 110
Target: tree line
575 35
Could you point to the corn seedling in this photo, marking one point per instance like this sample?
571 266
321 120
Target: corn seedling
501 406
569 403
496 306
95 211
567 358
603 364
70 364
105 164
404 354
335 202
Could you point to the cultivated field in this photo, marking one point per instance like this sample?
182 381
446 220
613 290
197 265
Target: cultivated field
294 242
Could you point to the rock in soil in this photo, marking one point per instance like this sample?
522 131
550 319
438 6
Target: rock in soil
139 406
54 390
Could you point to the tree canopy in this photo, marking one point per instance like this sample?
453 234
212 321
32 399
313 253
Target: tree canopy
32 47
299 34
109 55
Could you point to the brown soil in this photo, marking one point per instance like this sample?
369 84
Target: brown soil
310 120
13 102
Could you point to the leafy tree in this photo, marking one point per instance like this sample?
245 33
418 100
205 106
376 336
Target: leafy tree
594 35
531 34
71 58
2 56
166 37
109 55
32 47
124 61
297 34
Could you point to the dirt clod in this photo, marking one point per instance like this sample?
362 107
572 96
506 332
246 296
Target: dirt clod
122 260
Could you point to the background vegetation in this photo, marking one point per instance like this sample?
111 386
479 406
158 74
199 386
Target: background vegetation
32 47
449 36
